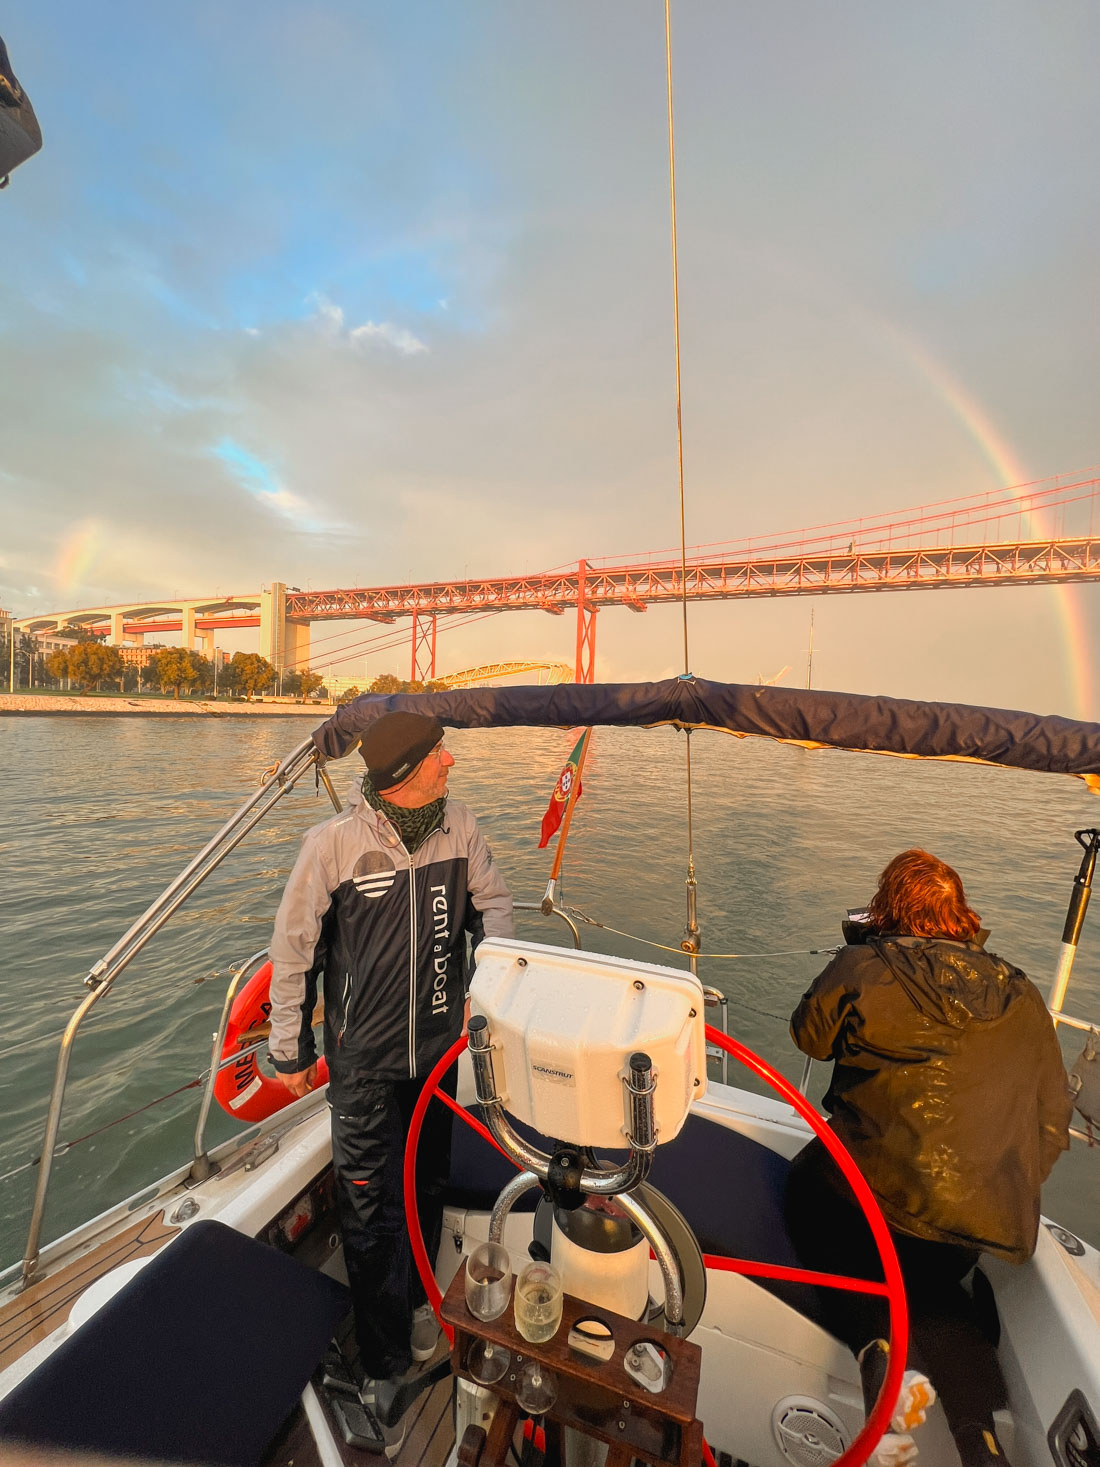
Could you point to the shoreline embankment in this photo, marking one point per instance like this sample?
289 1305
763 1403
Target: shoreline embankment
53 704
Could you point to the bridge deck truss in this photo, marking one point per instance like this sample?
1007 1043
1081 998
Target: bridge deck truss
1021 562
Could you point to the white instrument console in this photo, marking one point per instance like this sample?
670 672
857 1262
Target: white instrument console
563 1025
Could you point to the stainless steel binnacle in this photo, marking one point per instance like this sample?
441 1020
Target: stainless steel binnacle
521 1183
665 1255
640 1084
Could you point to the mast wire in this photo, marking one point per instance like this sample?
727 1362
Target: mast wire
676 329
691 941
63 1146
791 952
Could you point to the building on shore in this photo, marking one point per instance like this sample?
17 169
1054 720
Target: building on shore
336 687
48 642
140 657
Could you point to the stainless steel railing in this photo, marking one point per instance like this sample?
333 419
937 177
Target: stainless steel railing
715 998
202 1167
101 977
553 911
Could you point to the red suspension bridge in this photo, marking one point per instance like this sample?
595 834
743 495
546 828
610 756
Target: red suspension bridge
1033 534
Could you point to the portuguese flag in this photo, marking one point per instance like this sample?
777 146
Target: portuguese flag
562 790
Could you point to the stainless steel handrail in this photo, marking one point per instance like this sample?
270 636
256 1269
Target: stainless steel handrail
102 976
552 912
202 1167
1060 1018
712 998
282 780
635 1209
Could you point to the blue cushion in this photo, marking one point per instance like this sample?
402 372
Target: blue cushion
199 1358
731 1188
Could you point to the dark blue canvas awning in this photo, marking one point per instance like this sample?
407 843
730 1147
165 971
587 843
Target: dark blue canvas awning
900 726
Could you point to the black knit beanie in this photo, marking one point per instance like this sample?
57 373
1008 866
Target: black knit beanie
395 744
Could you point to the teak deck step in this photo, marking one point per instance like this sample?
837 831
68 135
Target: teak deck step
30 1316
429 1434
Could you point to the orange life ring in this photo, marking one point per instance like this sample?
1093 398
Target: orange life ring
243 1089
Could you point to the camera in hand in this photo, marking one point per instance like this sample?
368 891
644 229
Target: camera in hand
857 926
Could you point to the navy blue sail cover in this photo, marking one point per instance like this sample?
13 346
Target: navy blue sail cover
1046 743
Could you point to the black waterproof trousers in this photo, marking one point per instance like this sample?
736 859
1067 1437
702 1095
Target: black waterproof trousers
952 1330
368 1150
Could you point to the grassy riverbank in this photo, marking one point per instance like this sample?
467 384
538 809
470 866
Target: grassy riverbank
154 705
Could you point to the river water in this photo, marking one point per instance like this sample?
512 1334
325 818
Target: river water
99 814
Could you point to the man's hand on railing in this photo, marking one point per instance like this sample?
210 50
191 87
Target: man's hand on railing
301 1082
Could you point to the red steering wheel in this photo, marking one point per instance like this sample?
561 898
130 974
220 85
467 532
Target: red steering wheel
893 1290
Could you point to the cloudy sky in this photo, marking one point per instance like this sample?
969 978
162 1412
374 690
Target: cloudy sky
341 292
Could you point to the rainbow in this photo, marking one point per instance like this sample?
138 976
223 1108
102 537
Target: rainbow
77 555
1011 475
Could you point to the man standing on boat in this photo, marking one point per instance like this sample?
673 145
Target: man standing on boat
378 906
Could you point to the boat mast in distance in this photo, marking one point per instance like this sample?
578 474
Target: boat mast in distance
810 653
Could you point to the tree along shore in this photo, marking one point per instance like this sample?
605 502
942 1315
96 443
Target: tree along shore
122 706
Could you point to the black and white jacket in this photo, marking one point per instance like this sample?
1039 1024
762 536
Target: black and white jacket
386 934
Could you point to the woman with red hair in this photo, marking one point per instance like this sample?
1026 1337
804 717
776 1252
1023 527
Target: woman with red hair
949 1091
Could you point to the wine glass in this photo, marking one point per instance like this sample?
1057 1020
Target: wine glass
536 1389
488 1281
487 1362
538 1301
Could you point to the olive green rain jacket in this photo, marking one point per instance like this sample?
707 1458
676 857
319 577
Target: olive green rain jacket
948 1086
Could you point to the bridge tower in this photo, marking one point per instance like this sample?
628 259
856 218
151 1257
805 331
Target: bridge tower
283 641
423 646
586 629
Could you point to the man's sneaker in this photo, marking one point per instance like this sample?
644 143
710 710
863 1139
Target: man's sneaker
425 1333
375 1395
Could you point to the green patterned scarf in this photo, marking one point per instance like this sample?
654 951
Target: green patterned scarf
413 826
